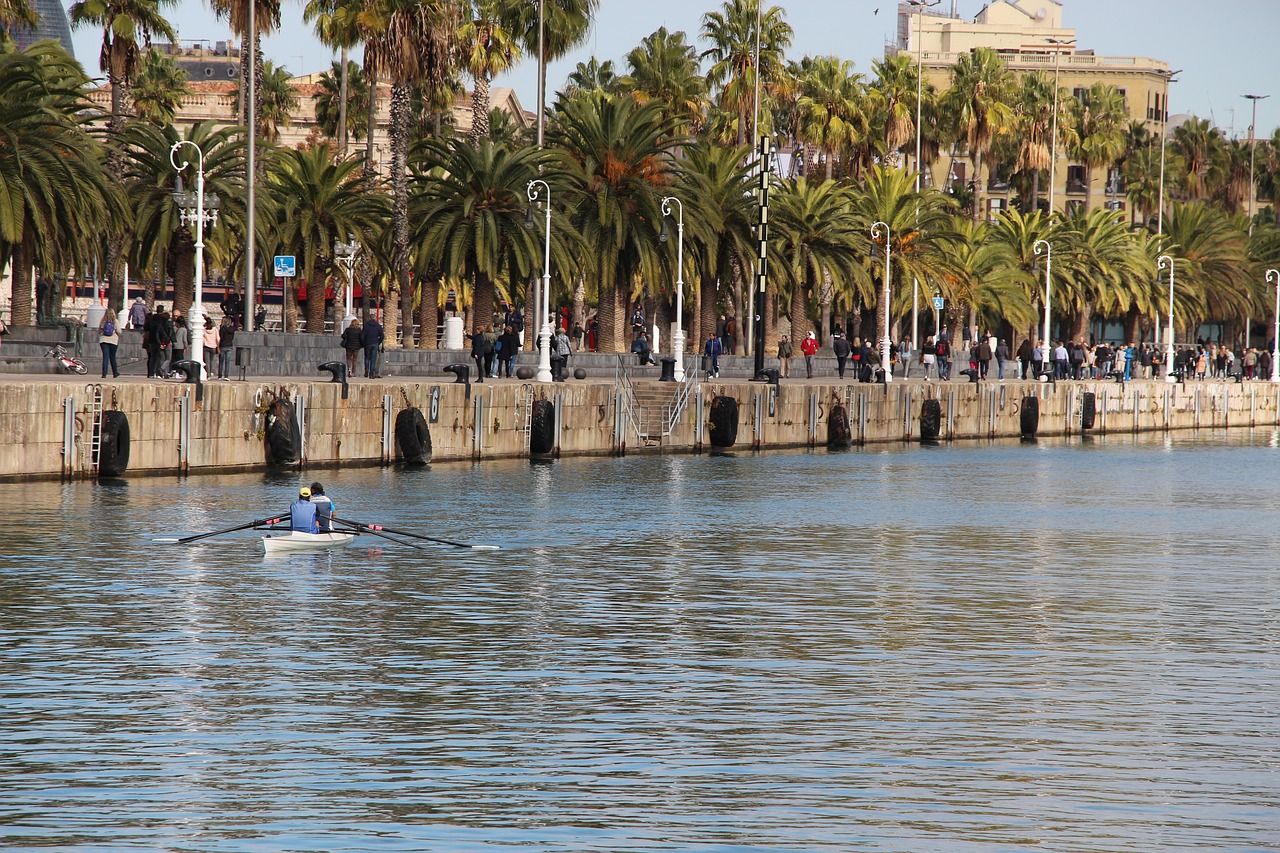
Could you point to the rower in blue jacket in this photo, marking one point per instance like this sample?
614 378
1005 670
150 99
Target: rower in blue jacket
302 513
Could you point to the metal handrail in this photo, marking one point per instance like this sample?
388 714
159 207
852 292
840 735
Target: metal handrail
631 409
672 412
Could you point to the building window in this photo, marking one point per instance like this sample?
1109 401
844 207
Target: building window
1080 94
1075 179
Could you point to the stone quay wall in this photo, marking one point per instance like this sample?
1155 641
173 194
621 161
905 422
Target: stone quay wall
47 427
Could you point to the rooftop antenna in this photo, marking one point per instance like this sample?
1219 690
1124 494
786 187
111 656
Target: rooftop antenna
953 8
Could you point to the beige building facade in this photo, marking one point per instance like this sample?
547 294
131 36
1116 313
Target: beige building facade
1029 36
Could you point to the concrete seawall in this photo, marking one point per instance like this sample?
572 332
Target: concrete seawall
47 427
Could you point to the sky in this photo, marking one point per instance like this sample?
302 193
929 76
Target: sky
1223 51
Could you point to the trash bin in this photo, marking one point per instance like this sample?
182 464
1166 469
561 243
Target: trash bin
244 356
668 369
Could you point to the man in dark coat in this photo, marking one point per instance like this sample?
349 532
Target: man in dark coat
372 337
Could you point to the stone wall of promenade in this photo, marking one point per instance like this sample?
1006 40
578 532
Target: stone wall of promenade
46 427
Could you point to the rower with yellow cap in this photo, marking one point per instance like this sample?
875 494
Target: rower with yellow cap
302 513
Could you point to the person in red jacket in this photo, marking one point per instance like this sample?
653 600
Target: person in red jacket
809 346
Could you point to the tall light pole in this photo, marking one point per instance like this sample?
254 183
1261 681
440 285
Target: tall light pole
876 228
1048 296
677 337
544 337
1164 138
915 282
194 213
251 178
1053 140
1162 262
345 254
1253 145
1274 276
542 73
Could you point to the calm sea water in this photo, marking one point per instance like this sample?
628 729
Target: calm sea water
1062 646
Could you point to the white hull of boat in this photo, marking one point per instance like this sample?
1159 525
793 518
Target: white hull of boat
298 541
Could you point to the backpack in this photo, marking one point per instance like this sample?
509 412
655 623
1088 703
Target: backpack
108 328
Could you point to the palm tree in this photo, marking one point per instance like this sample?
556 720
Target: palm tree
893 101
831 109
1141 172
277 101
266 21
159 89
715 184
1099 126
338 28
14 13
665 68
342 104
1017 232
986 274
816 239
159 238
1199 147
978 106
318 202
55 197
591 76
617 164
127 25
489 48
469 217
1213 272
565 25
732 33
1034 123
921 229
1108 275
411 43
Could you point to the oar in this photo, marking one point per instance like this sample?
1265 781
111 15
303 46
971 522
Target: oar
187 539
364 528
375 527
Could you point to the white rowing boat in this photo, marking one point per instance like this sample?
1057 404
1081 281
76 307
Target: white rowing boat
296 540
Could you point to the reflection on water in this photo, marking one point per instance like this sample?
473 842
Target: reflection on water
1056 646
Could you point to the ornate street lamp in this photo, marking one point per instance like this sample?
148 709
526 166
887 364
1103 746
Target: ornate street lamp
345 254
1162 262
194 212
677 337
544 338
1274 276
1047 349
885 345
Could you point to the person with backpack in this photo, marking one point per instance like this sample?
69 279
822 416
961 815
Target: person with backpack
942 349
109 341
842 350
711 356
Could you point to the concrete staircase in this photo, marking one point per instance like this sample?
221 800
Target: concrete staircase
653 402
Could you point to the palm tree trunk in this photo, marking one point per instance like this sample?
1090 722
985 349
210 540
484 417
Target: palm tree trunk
342 103
24 253
316 287
827 155
977 186
372 125
580 303
1035 190
1132 324
707 310
482 303
429 308
399 281
184 276
800 325
480 110
607 314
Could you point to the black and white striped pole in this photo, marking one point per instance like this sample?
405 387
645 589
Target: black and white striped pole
762 260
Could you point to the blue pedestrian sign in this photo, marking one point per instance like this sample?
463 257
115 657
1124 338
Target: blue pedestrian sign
937 303
285 267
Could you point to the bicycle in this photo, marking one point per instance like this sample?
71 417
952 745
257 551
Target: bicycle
67 363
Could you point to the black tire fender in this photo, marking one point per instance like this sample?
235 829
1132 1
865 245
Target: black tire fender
930 420
283 440
724 421
1029 417
542 428
839 434
113 448
413 436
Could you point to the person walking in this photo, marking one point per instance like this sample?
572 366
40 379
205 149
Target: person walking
809 346
138 313
984 356
563 349
210 347
905 349
784 357
711 356
928 356
508 348
109 341
181 339
1002 355
477 352
840 347
352 343
1025 355
490 349
942 349
373 338
226 340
